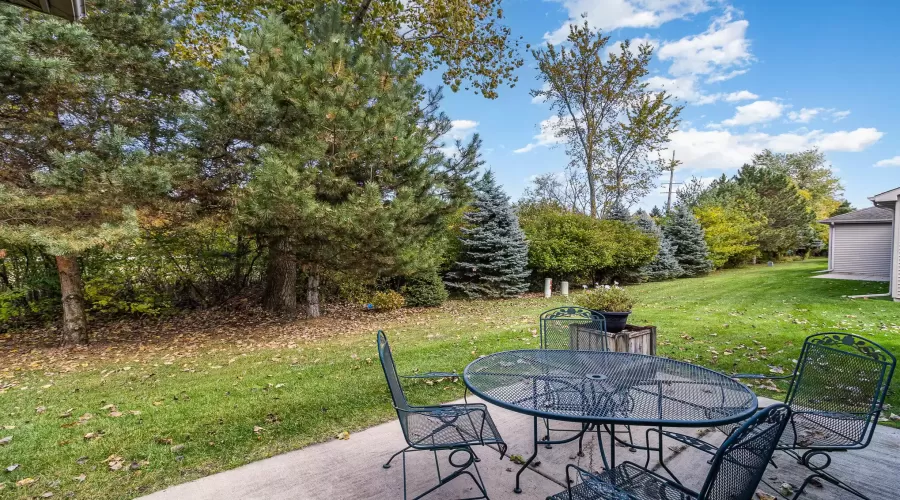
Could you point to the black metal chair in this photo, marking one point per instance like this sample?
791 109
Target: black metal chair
736 470
573 328
578 329
836 394
453 428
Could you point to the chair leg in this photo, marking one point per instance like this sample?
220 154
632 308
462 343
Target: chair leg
387 464
461 470
819 473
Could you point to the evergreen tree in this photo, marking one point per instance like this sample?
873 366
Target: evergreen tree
686 235
787 212
494 256
664 266
91 132
617 211
339 146
656 213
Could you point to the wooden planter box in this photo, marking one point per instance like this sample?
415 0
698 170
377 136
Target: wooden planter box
636 339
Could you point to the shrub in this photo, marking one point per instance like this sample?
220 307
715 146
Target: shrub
387 300
606 298
565 244
425 290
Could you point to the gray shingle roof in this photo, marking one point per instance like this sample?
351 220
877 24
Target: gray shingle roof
871 214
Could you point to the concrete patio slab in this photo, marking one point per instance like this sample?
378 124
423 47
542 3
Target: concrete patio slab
853 277
353 468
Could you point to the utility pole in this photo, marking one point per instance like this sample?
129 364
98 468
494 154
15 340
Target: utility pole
671 168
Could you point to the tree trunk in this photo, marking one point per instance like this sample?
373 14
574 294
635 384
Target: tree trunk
592 187
74 320
280 295
312 292
240 252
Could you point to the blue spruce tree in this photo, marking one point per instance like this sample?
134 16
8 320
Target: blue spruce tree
687 237
494 253
617 211
664 266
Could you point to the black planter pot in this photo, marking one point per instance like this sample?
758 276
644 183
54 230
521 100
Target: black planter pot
615 321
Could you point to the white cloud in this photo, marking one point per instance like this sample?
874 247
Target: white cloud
546 137
613 14
804 115
890 162
723 150
684 88
741 95
756 112
720 47
840 115
459 129
721 77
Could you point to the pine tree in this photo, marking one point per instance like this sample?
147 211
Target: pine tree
686 235
664 266
617 211
341 148
91 132
656 213
494 255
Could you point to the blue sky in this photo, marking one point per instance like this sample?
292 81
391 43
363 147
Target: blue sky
785 75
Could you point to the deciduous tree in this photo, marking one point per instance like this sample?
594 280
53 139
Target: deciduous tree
609 120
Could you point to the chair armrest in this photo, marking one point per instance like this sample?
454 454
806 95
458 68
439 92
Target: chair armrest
442 411
433 375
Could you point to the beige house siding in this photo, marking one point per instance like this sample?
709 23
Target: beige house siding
862 249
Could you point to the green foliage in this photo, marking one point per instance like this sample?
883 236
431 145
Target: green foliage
607 298
464 39
730 233
787 213
387 300
494 256
686 235
424 290
664 265
570 245
618 211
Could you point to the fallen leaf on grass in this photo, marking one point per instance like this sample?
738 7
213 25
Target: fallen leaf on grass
157 403
162 440
93 435
257 429
115 462
776 369
47 494
25 482
177 448
80 478
5 441
67 413
134 412
81 460
343 436
12 467
115 414
84 418
40 409
9 427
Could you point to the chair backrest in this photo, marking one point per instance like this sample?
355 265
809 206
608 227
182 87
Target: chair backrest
740 462
573 328
390 373
842 373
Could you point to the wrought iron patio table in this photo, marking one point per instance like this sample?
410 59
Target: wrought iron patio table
607 388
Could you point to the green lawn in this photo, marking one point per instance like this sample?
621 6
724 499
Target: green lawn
211 405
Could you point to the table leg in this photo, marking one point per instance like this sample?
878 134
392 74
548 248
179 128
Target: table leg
530 459
600 445
612 447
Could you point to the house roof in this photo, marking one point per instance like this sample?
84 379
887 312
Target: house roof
72 10
871 214
887 196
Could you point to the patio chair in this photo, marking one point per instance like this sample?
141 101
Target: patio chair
579 329
454 428
836 394
736 470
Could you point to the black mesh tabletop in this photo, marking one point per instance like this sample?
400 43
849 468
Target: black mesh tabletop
609 387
